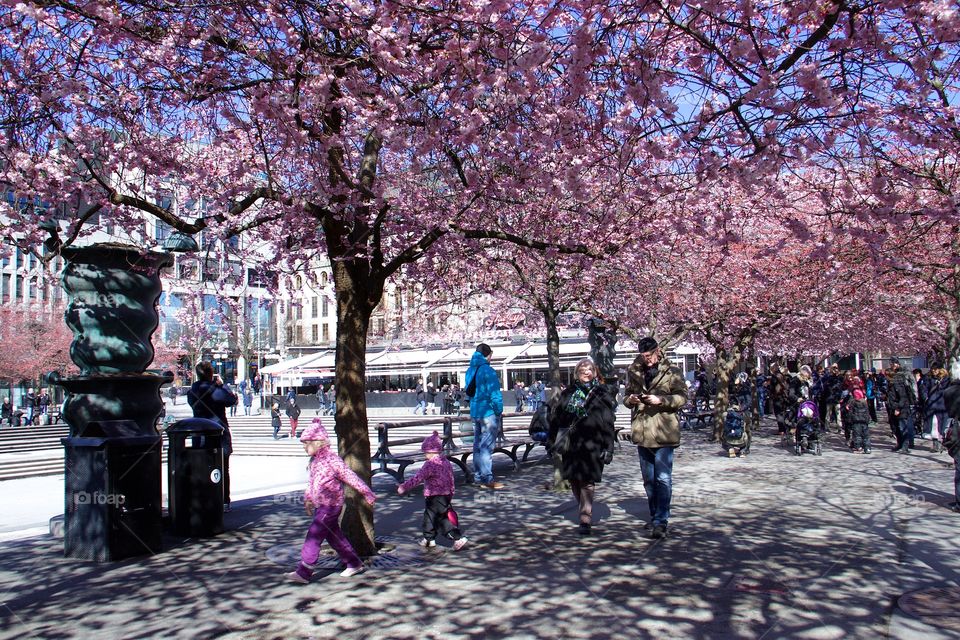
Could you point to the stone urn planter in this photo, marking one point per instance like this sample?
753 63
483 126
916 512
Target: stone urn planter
112 292
112 459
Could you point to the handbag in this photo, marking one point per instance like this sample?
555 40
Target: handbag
563 442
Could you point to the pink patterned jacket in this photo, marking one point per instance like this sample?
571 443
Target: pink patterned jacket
436 475
328 472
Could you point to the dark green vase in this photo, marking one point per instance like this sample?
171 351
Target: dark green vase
112 292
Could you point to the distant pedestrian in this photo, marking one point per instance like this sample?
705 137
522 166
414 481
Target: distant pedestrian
431 400
436 475
43 404
323 500
321 400
518 395
901 398
936 409
655 391
275 420
293 414
421 395
247 400
30 405
233 408
6 412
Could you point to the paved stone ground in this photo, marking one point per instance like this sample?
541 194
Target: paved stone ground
769 546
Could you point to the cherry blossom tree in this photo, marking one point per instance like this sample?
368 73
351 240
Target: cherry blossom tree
32 344
374 133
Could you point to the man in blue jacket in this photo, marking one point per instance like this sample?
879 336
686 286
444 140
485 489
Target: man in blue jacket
486 409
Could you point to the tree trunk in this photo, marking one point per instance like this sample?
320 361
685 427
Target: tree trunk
553 392
353 321
725 365
952 344
553 348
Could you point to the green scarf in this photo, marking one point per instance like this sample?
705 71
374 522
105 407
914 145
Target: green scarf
578 398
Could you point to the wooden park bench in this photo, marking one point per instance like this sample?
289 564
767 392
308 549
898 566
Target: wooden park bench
386 461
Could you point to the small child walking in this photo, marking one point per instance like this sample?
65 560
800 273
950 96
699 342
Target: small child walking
436 475
324 500
858 417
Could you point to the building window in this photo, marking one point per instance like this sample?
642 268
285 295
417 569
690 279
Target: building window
299 334
5 290
381 326
324 278
314 306
18 288
188 268
211 269
326 307
314 333
289 334
299 312
326 333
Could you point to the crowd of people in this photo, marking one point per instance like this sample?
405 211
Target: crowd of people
34 409
578 427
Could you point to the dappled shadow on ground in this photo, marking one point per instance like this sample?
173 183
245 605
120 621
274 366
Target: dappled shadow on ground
772 546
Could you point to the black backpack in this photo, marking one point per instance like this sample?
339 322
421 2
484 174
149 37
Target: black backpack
733 425
471 389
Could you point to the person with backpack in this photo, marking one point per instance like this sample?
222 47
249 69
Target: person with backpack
486 410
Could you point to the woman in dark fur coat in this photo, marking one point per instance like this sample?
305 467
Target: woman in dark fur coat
588 409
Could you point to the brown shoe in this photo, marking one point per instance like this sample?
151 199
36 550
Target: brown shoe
492 485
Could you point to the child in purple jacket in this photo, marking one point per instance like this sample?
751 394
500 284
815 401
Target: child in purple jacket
324 500
436 475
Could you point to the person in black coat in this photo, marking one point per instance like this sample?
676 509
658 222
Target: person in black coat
209 398
587 410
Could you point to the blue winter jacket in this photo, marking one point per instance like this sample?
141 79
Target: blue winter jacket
487 399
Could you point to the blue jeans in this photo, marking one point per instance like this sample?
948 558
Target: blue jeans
422 404
656 466
485 431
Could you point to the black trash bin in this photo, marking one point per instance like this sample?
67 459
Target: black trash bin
195 477
112 492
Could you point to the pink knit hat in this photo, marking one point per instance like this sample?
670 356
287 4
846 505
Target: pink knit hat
314 432
432 443
858 395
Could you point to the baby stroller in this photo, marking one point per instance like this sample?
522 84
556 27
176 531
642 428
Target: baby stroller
735 437
808 429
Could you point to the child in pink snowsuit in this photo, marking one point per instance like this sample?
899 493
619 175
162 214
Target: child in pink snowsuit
436 475
324 500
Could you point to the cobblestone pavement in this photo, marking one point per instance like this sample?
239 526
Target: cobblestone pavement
768 546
